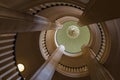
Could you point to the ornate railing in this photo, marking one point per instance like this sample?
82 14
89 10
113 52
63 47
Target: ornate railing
103 43
105 46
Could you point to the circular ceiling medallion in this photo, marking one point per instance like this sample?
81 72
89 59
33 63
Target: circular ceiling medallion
73 31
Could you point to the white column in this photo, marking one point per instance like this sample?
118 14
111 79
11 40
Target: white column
14 21
48 68
56 26
97 71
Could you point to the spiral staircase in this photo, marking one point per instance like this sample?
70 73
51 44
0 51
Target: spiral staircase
29 31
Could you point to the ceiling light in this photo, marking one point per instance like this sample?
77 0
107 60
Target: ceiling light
21 67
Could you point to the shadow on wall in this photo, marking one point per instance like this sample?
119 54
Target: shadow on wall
28 52
113 62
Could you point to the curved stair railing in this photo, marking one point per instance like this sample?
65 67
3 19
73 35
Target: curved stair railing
8 65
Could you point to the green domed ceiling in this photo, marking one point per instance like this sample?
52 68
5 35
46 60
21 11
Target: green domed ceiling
72 36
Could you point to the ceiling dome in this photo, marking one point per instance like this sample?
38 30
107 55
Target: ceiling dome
72 36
